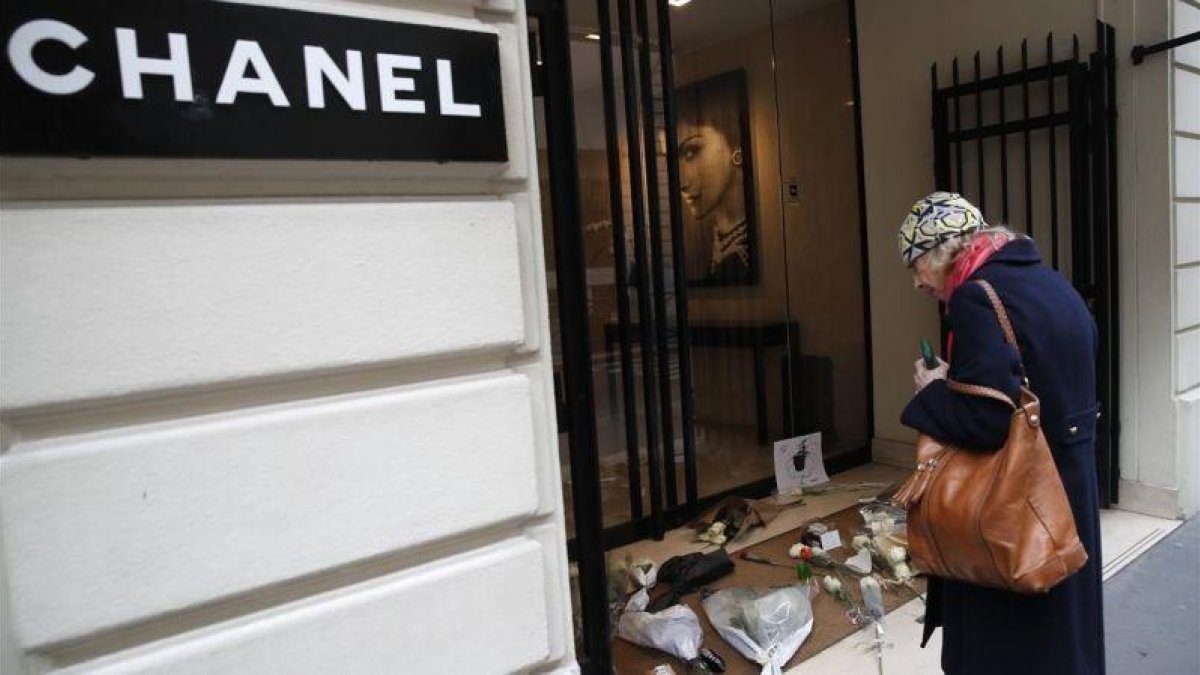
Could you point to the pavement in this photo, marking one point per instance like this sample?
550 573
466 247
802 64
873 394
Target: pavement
1152 609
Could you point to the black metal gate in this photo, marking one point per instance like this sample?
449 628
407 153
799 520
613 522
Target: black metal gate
1058 119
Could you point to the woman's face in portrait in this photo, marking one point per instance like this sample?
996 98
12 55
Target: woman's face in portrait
708 168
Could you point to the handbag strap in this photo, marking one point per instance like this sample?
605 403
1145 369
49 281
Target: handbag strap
1010 337
1001 314
977 390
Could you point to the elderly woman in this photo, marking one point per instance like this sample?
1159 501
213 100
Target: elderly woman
947 245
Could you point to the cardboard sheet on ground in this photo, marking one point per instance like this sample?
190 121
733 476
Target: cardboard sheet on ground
829 617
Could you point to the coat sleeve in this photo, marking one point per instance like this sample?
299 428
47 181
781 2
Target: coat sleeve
982 357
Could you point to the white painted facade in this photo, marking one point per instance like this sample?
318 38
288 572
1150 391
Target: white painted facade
269 417
1185 90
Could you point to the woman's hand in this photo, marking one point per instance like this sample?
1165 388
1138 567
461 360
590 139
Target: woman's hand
922 376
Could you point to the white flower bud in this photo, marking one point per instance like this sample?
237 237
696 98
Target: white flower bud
832 584
903 571
717 527
898 554
794 551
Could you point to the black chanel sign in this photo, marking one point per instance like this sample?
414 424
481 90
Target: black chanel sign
199 78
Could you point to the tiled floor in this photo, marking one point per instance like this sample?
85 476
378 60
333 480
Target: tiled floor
1124 535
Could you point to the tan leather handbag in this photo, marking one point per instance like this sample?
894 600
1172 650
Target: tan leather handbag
999 519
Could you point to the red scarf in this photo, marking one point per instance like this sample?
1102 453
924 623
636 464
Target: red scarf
981 248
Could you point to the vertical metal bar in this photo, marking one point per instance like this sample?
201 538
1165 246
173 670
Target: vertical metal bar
1028 157
645 311
958 160
1103 108
658 282
1003 140
941 128
1098 140
979 139
1113 418
941 162
1053 131
570 268
683 336
620 258
1079 110
864 253
1080 229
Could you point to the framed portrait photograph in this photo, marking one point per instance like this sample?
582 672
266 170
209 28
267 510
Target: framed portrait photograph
716 179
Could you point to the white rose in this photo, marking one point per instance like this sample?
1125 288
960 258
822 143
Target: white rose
903 571
719 539
717 527
898 554
794 551
832 585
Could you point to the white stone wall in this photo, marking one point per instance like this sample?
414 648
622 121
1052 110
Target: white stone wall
1186 145
282 417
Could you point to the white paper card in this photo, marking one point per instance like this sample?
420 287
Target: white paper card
831 540
860 562
799 463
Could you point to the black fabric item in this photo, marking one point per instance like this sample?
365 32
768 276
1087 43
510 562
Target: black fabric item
988 631
688 573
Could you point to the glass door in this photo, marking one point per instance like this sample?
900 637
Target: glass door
820 188
722 255
701 195
744 340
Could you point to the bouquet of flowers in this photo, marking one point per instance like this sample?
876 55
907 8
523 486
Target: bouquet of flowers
766 626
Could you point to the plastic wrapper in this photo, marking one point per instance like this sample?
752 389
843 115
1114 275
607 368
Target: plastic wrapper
675 630
881 518
766 626
643 575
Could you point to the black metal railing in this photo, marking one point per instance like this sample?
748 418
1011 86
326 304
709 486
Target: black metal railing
1088 117
1140 52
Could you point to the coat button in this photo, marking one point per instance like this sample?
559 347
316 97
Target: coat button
1073 430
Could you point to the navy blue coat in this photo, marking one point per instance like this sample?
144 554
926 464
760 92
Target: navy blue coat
985 630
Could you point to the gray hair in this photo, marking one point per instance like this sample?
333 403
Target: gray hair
943 257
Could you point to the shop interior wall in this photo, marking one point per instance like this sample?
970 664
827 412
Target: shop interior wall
801 127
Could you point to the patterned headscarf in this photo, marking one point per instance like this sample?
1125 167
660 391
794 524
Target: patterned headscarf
935 219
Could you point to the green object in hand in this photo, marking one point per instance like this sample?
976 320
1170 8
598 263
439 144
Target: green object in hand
927 355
